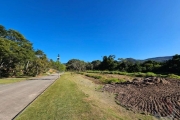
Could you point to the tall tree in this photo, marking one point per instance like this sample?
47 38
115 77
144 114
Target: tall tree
96 64
108 63
76 65
3 31
17 56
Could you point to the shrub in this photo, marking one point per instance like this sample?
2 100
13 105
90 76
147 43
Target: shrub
111 72
150 74
105 72
139 74
97 77
122 80
113 80
130 74
81 73
162 75
173 76
93 76
115 72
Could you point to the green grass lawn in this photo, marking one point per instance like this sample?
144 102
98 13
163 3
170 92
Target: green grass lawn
73 97
11 80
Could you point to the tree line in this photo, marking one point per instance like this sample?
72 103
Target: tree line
18 58
124 65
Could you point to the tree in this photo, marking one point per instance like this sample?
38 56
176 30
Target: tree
173 65
134 68
108 63
17 56
76 65
124 65
3 31
89 66
96 64
57 65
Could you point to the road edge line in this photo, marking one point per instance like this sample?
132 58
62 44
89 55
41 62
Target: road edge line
35 98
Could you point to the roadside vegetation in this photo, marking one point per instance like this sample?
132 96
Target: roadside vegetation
18 57
73 97
11 80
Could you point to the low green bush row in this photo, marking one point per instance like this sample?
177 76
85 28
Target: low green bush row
173 76
137 74
116 80
113 80
106 80
93 76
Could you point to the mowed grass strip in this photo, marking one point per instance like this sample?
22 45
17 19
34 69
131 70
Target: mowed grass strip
62 101
11 80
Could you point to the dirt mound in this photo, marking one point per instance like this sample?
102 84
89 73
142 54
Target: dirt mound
156 96
149 81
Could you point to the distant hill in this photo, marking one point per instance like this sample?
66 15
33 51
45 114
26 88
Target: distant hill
160 59
131 60
157 59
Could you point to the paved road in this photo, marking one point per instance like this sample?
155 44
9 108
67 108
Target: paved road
16 96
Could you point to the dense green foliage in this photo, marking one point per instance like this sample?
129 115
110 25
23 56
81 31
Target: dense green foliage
17 56
57 65
109 63
76 65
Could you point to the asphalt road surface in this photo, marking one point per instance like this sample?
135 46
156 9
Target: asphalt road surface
16 96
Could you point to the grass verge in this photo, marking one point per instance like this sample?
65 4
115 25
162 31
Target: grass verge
11 80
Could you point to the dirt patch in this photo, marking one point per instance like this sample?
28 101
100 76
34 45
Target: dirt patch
155 96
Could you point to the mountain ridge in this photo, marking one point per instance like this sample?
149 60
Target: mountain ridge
160 59
157 59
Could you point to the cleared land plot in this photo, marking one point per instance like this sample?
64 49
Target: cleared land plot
157 96
73 97
153 95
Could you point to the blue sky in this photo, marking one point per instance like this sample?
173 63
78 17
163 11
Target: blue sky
90 29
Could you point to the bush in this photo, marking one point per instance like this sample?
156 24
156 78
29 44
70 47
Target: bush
81 73
105 72
111 72
140 74
93 76
131 74
113 80
150 74
90 71
115 72
97 77
173 76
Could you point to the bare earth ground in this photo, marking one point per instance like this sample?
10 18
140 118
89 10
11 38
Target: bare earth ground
15 97
156 96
